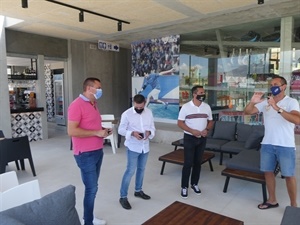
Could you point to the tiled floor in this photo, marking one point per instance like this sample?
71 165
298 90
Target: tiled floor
56 168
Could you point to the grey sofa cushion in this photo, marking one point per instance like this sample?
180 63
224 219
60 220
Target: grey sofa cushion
291 216
245 160
225 130
53 209
255 137
214 144
243 131
7 220
233 147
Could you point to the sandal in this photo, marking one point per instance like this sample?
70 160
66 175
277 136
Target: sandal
267 205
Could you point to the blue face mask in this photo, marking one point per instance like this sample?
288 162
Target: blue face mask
275 90
98 93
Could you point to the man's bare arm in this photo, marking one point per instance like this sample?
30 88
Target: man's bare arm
75 131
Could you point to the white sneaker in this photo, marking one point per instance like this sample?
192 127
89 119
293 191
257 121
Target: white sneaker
97 221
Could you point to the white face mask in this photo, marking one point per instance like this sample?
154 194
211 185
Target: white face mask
98 93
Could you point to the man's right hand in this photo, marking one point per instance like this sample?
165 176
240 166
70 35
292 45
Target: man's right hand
102 133
196 133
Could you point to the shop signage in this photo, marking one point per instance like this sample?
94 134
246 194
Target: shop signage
108 46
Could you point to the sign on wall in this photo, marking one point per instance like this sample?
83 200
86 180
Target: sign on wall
108 46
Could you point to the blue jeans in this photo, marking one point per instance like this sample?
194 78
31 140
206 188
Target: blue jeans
134 161
193 152
89 164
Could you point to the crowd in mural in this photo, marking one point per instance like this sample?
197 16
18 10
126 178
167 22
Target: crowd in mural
155 55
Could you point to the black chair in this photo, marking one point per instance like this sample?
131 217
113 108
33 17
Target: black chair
13 149
1 134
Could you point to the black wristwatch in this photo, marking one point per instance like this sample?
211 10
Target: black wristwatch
280 110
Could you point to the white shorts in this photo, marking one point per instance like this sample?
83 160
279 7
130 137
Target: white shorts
154 93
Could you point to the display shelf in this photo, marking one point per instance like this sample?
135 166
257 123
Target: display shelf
23 77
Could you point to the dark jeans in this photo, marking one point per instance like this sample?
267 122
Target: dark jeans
89 164
193 152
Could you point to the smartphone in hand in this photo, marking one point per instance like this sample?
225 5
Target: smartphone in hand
141 135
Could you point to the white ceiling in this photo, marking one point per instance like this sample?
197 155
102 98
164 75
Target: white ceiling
148 18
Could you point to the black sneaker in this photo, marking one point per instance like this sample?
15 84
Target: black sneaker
124 203
142 195
196 189
184 192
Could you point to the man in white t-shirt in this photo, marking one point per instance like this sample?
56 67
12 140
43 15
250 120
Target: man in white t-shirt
280 114
195 119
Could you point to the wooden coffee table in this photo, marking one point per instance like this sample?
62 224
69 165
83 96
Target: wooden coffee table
179 213
177 157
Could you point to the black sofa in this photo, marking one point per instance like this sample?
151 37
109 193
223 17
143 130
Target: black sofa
232 138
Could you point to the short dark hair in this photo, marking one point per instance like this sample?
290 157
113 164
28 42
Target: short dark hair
139 98
194 89
89 82
282 79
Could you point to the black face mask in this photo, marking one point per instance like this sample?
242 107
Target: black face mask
201 98
139 111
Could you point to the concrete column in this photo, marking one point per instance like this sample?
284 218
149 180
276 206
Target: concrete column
286 37
41 94
5 123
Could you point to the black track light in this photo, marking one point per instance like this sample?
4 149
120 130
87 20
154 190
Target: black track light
82 11
119 26
24 4
260 2
81 16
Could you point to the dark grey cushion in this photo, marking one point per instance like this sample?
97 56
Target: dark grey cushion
245 160
233 147
7 220
255 137
214 144
225 130
53 209
291 216
243 131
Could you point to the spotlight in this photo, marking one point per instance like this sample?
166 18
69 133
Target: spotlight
260 2
24 4
119 26
81 16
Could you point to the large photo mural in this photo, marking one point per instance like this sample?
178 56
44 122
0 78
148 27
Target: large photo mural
155 74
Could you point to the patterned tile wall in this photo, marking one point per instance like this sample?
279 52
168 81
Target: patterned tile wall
49 93
29 124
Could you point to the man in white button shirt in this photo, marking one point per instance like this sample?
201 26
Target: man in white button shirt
137 126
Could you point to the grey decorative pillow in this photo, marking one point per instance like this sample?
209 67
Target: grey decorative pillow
243 131
255 137
7 220
53 209
225 130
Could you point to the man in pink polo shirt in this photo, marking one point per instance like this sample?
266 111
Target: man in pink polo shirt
84 126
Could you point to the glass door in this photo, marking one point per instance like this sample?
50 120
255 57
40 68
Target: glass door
59 100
